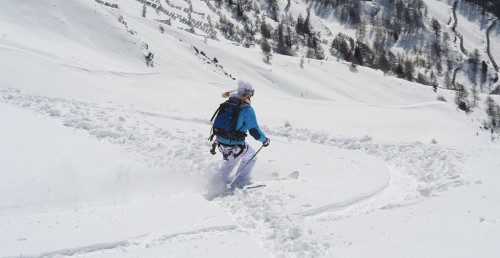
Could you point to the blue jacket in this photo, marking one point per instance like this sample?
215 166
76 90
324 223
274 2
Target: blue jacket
247 122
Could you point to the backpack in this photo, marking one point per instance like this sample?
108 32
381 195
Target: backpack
226 119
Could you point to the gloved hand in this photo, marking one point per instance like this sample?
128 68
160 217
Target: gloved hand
267 142
212 151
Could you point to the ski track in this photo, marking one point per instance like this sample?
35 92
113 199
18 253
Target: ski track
417 170
344 204
147 241
276 232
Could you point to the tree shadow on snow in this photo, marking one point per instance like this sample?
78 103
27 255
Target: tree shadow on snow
473 14
408 41
325 11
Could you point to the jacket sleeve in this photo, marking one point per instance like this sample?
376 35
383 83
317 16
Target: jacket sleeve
253 127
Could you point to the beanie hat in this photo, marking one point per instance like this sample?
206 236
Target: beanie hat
244 88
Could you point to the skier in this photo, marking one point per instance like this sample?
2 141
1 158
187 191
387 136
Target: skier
233 152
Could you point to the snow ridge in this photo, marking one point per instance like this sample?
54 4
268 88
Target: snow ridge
434 168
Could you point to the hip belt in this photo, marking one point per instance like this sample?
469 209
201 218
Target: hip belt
231 150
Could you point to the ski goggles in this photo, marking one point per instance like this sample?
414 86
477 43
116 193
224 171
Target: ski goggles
248 92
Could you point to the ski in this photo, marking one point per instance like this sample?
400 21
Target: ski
254 186
223 192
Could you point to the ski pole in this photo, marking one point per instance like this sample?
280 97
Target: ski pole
239 172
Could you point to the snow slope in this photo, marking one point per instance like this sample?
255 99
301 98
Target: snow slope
104 156
354 103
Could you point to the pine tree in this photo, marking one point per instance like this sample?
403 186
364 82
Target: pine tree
484 71
265 29
475 95
357 55
158 9
307 25
310 53
392 61
361 29
474 58
344 50
436 50
490 106
433 77
447 81
422 79
449 63
446 36
289 38
239 8
280 38
255 7
266 50
461 95
290 21
436 27
399 70
300 24
439 67
354 62
409 69
318 49
274 8
383 63
258 23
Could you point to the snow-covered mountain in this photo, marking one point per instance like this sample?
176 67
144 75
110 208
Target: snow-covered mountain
105 156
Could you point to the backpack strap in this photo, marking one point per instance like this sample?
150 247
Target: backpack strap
238 135
241 127
212 134
215 114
